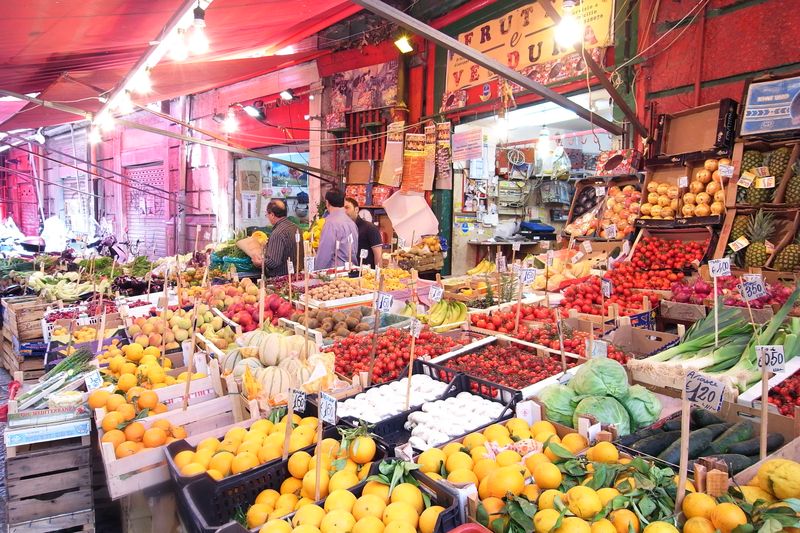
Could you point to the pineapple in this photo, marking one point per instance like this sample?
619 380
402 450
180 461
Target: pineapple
759 229
778 161
788 259
792 196
750 160
739 227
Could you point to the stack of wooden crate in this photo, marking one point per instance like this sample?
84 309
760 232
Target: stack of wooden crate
22 324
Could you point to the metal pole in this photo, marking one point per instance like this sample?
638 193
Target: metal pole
420 28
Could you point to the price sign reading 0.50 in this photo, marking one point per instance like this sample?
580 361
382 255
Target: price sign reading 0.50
704 392
772 355
327 408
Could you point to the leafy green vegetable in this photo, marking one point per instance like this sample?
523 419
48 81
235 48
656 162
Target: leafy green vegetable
559 402
642 405
600 377
605 410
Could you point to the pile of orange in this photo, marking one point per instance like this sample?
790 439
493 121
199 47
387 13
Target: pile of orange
242 449
136 436
133 365
121 409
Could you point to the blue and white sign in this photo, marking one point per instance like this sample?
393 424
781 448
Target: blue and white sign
772 106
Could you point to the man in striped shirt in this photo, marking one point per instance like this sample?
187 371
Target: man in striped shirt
282 244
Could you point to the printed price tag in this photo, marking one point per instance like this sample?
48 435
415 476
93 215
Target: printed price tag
362 254
587 246
683 181
599 191
726 171
308 263
762 172
516 246
577 257
404 452
746 179
610 263
327 408
703 391
93 380
290 266
719 267
416 328
611 231
772 354
739 243
501 263
527 275
765 183
606 287
550 258
298 400
435 294
596 348
753 289
385 302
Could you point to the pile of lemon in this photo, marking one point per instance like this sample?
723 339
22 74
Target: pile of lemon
375 510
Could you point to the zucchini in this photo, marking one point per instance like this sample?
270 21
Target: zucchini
702 418
673 424
739 432
719 429
736 462
698 441
655 444
752 446
633 438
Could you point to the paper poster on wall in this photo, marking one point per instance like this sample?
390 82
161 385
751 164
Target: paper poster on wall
444 163
430 157
413 163
468 145
392 166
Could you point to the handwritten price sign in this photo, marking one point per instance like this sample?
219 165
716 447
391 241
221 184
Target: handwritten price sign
704 392
516 246
308 262
436 293
385 302
93 380
753 288
527 275
416 328
719 267
772 355
299 399
606 287
290 267
327 408
596 349
501 263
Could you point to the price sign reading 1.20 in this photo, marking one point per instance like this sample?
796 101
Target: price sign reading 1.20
327 408
772 355
719 267
703 391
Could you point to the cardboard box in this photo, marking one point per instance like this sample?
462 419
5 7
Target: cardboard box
640 342
682 311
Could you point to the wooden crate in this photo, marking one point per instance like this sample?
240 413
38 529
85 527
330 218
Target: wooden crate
786 225
49 487
761 146
148 468
22 317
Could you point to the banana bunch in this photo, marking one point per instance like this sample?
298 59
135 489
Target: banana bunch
484 267
443 312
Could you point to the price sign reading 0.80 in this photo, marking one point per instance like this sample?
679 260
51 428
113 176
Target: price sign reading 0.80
703 391
772 355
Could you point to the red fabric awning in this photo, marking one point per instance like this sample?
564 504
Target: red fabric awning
41 40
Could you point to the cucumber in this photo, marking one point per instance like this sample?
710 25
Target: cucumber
739 432
719 429
633 438
702 418
736 462
752 446
655 444
674 424
698 441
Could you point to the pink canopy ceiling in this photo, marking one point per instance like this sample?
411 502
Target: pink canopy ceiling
98 41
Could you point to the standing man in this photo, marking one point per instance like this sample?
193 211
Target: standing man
338 228
281 244
369 237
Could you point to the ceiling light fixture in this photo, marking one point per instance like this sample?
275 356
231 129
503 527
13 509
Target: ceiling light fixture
569 31
254 110
287 94
178 49
141 82
198 41
230 124
403 43
544 144
94 135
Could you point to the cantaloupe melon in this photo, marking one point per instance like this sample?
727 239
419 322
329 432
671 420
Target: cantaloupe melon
274 380
252 362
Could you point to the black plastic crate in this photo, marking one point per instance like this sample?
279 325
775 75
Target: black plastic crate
392 431
206 505
448 520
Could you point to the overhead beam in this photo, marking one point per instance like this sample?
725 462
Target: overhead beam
420 28
600 73
317 172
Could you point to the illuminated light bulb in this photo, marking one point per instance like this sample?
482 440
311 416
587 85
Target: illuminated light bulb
178 50
404 45
94 136
289 50
501 128
141 83
105 121
569 31
286 95
124 104
198 42
544 145
230 124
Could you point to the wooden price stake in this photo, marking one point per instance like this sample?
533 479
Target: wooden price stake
289 423
308 266
718 268
164 318
560 327
335 257
376 324
190 364
261 295
414 333
71 329
349 265
327 413
289 272
101 333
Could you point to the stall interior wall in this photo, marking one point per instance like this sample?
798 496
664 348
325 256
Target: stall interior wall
20 195
715 51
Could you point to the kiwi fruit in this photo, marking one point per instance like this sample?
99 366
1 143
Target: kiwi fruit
295 317
313 323
327 326
322 315
339 316
341 325
363 326
342 332
352 322
312 313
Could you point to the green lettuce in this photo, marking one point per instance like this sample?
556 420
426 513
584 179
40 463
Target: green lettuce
559 402
600 377
605 410
642 405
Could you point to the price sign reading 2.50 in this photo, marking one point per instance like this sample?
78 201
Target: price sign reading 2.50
704 391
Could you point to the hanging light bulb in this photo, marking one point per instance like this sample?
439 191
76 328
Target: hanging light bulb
124 104
501 128
198 42
179 51
569 32
544 145
105 121
230 124
141 83
94 136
